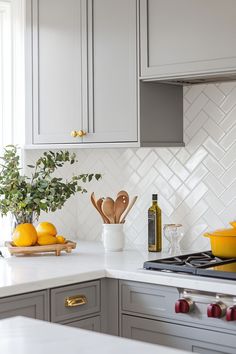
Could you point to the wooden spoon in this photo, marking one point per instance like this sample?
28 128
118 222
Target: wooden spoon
94 202
122 193
128 209
99 206
108 209
120 206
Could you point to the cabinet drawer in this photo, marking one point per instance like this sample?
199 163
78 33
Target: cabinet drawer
75 301
91 324
147 299
33 305
177 336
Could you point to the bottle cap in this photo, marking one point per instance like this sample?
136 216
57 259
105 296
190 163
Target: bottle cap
155 197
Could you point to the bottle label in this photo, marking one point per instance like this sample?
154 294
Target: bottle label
151 228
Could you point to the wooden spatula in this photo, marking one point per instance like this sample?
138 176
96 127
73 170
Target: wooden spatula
128 209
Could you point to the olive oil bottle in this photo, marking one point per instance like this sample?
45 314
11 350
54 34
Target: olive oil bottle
154 226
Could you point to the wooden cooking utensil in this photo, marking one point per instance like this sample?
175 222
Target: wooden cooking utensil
128 209
122 193
94 202
120 206
99 206
108 209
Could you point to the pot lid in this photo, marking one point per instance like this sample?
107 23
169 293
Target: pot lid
224 232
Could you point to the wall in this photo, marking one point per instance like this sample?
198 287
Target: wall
196 184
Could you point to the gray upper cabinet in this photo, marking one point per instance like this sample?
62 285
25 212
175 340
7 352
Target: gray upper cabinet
112 71
84 70
183 38
82 75
56 69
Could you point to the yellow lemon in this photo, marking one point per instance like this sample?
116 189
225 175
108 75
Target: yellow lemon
24 235
60 239
46 239
46 228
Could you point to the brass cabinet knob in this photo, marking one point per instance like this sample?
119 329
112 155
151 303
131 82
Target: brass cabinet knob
74 301
78 133
81 133
74 133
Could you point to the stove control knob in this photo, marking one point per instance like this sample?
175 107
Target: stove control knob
216 310
231 313
184 305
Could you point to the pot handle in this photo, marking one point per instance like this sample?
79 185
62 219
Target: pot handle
207 235
233 223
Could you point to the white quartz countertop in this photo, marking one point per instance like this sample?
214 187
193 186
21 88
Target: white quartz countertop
21 274
20 335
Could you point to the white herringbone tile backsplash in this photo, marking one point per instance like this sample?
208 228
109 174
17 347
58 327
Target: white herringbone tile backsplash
196 184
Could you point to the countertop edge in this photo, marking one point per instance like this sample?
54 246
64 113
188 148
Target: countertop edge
172 280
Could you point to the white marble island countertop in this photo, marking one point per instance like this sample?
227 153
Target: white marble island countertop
21 335
24 274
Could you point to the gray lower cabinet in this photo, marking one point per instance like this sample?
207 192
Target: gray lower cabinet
91 305
183 38
147 299
147 313
77 305
75 301
91 324
173 335
34 305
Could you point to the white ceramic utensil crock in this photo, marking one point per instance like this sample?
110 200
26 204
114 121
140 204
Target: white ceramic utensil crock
113 237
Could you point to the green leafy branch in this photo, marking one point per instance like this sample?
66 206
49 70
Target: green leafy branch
43 191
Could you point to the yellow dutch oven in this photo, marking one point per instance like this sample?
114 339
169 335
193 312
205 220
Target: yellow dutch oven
223 242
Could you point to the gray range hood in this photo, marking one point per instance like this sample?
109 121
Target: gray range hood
197 79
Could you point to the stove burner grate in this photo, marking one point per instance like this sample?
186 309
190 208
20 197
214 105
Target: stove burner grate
193 260
194 263
203 259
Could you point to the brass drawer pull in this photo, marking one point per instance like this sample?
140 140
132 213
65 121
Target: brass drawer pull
73 301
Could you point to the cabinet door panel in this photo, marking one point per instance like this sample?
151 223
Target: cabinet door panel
177 336
57 94
147 299
187 37
112 71
91 324
34 305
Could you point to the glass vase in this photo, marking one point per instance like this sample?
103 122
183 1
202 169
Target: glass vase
21 218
